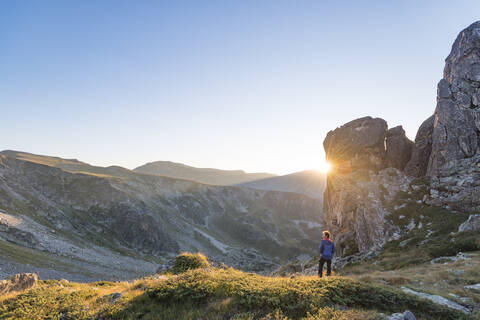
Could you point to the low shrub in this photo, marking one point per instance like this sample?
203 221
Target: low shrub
189 261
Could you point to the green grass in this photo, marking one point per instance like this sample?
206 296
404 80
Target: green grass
210 293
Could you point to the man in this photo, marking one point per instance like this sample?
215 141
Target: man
327 250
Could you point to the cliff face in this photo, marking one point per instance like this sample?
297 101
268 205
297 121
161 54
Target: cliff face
372 163
366 158
452 140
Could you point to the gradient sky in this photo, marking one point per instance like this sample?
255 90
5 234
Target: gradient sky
251 85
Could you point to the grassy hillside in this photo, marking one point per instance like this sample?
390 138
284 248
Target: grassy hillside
212 293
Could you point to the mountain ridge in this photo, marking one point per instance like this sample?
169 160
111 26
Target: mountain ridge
202 175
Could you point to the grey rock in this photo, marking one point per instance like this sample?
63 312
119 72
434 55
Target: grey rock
404 243
474 287
396 316
472 223
463 100
418 163
358 144
447 144
407 315
460 256
476 99
341 262
438 300
398 147
455 133
112 298
443 89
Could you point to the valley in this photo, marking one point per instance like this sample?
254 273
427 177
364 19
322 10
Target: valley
80 222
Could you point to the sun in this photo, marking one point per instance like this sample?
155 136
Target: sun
324 167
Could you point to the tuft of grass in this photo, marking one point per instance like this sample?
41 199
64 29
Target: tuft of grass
189 261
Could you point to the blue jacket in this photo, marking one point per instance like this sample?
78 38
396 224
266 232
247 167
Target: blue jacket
327 249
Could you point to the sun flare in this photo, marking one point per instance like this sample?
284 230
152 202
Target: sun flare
324 167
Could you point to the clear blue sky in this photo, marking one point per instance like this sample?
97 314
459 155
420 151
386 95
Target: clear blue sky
251 85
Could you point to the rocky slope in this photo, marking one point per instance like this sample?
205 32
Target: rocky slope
65 218
372 163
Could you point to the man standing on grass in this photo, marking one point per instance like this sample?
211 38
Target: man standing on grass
327 250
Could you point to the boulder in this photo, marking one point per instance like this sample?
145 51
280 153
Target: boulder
438 300
396 316
474 287
398 148
358 144
472 223
418 163
19 282
408 315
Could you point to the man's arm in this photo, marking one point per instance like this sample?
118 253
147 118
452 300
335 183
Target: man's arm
321 247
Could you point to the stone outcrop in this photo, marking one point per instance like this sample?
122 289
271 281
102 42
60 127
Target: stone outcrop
438 300
398 148
19 282
446 154
454 161
359 144
417 166
472 224
359 182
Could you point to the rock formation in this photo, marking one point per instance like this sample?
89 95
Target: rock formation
446 155
472 224
398 148
454 161
417 166
18 282
359 144
359 152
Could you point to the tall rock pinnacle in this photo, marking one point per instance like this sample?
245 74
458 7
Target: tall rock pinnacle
456 124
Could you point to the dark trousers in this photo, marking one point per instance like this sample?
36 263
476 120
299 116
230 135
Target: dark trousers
320 266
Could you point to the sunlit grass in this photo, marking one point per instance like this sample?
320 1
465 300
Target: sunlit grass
212 293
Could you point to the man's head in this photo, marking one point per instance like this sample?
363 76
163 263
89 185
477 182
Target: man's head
326 234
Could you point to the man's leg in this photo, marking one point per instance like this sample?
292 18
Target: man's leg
329 267
321 262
